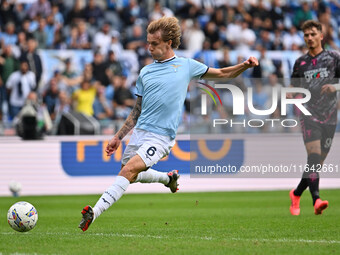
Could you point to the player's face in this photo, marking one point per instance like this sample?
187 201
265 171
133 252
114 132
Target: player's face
157 47
313 38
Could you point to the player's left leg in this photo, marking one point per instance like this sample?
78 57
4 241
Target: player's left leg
127 175
310 177
326 143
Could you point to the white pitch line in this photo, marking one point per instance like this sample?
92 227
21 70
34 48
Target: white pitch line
281 240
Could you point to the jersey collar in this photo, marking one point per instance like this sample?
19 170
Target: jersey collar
166 60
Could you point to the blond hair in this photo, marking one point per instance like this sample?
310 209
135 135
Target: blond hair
169 28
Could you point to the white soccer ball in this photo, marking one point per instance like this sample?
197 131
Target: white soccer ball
22 216
15 187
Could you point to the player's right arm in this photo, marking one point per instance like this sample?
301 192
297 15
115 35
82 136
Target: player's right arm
129 124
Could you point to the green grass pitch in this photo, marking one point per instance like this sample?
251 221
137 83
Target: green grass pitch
183 223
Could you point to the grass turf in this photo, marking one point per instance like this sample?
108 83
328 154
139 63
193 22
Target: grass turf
183 223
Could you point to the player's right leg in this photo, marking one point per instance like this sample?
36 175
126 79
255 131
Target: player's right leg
312 134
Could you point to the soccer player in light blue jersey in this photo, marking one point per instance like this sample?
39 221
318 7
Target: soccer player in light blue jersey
161 91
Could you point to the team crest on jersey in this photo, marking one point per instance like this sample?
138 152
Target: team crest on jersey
175 67
314 61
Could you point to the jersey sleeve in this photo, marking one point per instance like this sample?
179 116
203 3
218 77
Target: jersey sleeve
197 69
337 68
139 86
295 78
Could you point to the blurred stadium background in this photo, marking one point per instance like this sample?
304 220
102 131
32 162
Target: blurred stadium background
67 81
83 59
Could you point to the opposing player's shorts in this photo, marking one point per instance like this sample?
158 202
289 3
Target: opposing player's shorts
151 147
313 131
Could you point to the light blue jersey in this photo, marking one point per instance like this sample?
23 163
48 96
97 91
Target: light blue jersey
163 86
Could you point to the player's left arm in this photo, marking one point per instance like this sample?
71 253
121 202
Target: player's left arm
231 71
333 88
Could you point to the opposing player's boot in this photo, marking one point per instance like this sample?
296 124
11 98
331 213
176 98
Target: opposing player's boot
295 205
173 176
319 206
87 219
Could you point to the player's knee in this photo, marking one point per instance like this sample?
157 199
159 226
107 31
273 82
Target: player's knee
128 173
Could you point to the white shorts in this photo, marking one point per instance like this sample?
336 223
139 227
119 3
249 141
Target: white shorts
151 147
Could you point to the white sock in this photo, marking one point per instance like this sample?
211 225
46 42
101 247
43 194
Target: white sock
111 195
151 176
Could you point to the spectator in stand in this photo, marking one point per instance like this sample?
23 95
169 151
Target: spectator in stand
233 32
33 59
84 97
69 72
131 13
211 31
123 100
193 36
25 28
137 38
72 40
50 30
159 11
206 55
57 17
302 14
225 61
8 65
84 38
40 35
113 66
9 37
102 39
276 14
59 41
242 11
50 96
40 7
265 40
102 107
247 38
266 64
20 13
116 46
7 13
22 42
277 40
291 38
99 69
75 14
19 85
93 13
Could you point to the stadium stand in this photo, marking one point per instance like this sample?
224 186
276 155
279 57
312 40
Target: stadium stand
67 43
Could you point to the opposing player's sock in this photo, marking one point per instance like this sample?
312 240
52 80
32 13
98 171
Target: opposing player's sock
111 195
302 186
152 176
314 161
320 206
